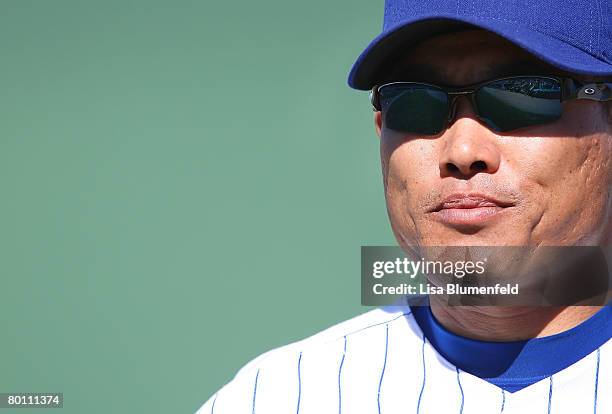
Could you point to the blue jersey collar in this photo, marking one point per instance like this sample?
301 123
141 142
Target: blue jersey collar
517 364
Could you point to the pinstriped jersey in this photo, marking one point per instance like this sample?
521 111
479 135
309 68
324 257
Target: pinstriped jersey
381 362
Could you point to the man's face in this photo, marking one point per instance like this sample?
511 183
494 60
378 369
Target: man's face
541 185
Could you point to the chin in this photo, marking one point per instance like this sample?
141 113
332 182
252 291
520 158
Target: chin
491 236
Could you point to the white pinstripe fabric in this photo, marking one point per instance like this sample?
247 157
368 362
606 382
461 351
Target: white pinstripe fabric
378 363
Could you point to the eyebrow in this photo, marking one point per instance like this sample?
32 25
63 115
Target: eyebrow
523 67
428 73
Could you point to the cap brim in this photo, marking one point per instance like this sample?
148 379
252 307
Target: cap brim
369 65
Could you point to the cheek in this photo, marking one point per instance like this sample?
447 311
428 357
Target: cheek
565 180
409 171
544 161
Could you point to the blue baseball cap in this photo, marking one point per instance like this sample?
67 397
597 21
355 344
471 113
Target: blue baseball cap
572 35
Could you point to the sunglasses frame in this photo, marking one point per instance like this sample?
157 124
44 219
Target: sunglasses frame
571 89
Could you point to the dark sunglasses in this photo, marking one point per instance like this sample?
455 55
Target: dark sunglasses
501 104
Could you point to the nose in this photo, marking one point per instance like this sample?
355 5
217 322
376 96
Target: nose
467 146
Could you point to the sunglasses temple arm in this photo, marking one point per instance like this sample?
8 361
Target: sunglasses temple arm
374 98
600 91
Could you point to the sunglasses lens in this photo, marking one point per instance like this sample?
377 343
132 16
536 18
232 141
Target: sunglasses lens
419 109
509 104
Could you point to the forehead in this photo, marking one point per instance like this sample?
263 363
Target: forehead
466 57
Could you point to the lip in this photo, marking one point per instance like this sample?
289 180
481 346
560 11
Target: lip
469 209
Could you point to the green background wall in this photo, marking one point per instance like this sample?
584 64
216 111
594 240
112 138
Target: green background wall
185 185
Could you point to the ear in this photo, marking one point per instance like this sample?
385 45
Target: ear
378 122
